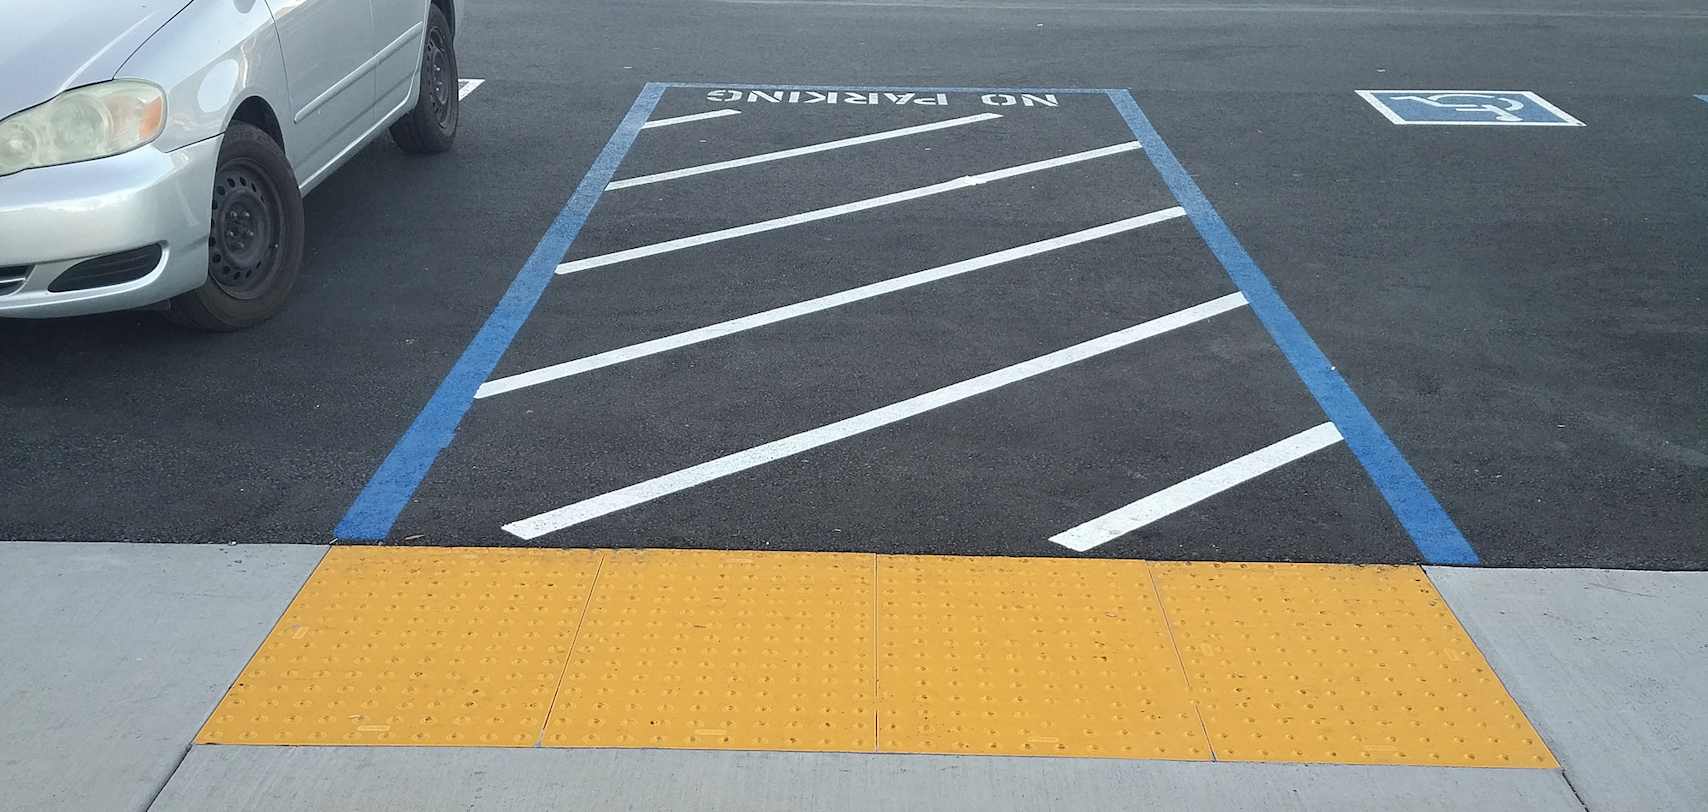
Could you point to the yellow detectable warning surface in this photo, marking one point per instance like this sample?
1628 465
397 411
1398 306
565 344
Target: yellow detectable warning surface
418 646
1015 656
870 653
1338 663
748 651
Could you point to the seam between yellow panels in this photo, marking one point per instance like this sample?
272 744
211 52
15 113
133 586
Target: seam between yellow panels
877 653
569 652
1185 673
247 664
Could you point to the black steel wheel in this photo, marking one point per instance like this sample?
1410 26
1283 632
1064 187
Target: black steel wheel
243 246
255 236
431 125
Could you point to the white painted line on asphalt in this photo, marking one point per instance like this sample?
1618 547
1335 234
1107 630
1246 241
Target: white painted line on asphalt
835 211
588 509
1203 486
467 86
797 152
665 122
511 383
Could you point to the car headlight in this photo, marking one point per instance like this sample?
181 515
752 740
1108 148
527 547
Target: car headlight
83 124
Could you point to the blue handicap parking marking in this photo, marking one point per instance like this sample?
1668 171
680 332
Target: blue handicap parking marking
1343 417
1470 107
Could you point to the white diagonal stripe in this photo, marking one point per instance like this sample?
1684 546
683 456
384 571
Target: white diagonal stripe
620 355
587 509
796 152
665 122
836 211
1111 526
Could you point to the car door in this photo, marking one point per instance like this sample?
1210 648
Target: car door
398 26
327 45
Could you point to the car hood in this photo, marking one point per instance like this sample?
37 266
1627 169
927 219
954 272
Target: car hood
49 46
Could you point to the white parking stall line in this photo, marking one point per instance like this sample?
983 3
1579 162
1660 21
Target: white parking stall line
836 211
511 383
588 509
1184 494
767 157
467 86
665 122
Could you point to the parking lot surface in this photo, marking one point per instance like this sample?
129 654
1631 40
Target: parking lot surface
1249 405
1517 308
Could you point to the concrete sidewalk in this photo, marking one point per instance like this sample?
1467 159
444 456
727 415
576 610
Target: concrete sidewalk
116 655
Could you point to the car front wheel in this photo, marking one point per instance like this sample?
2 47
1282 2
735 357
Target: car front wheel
431 126
255 238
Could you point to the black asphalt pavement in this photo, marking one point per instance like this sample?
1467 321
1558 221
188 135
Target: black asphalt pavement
1521 309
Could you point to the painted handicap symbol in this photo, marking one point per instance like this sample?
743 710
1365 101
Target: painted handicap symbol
1482 102
1487 107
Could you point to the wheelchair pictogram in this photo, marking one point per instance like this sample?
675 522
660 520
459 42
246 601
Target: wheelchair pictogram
1501 106
1467 107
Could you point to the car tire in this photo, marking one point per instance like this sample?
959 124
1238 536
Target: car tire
431 126
255 237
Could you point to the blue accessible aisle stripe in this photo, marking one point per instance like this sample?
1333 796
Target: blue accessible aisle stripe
392 486
1417 509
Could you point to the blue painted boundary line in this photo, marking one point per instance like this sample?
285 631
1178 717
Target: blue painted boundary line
1699 96
394 484
859 89
1417 509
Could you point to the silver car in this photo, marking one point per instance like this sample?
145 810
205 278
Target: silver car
124 123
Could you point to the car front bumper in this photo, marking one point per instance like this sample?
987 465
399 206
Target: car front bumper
55 217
